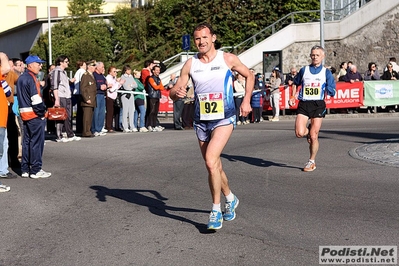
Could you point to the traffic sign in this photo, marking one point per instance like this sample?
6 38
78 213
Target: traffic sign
186 42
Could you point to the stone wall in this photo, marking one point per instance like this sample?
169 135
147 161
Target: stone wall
375 42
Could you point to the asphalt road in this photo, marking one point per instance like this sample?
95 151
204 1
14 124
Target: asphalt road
143 199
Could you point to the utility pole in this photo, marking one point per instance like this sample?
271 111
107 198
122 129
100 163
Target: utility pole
49 33
322 8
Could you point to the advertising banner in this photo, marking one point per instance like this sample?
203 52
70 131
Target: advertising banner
348 95
165 103
381 92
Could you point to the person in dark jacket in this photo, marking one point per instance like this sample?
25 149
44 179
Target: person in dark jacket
258 97
32 110
88 91
154 88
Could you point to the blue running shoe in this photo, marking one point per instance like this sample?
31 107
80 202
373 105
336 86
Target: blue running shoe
215 220
230 209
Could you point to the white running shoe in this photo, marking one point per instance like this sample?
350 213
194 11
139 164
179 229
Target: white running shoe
4 188
25 175
75 138
143 129
134 130
40 174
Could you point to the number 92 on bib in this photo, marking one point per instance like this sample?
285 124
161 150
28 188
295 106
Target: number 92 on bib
211 106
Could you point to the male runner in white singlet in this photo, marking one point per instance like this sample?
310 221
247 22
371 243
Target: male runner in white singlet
316 82
211 72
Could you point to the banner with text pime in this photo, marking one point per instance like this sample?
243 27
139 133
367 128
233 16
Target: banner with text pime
381 92
347 95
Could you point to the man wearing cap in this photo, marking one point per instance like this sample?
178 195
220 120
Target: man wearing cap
32 110
88 91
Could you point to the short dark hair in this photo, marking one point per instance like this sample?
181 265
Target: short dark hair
60 59
204 25
15 60
79 63
156 66
148 62
370 64
125 67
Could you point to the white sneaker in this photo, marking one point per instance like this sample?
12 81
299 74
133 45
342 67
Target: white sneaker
75 138
102 134
159 128
150 129
25 175
127 131
134 130
104 130
4 188
239 123
63 140
96 134
143 129
40 174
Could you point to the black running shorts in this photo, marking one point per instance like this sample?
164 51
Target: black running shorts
312 109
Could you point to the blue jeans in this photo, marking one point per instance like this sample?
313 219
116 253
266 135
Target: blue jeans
99 114
3 151
142 116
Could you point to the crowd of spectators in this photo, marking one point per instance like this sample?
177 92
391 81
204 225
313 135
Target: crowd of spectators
130 103
266 87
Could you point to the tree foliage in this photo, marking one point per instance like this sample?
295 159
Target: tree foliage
79 39
134 35
85 7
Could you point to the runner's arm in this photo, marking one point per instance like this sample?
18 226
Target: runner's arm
179 89
235 64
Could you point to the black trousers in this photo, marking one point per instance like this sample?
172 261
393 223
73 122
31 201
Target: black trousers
12 135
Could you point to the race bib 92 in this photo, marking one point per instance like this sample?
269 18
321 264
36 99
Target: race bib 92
211 106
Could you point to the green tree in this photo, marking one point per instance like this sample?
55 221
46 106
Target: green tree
79 39
85 7
134 35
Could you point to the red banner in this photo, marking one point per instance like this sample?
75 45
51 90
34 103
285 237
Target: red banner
165 103
348 95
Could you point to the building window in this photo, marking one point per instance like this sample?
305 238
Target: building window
31 13
53 12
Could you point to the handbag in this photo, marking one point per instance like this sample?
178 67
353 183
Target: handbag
56 113
118 101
